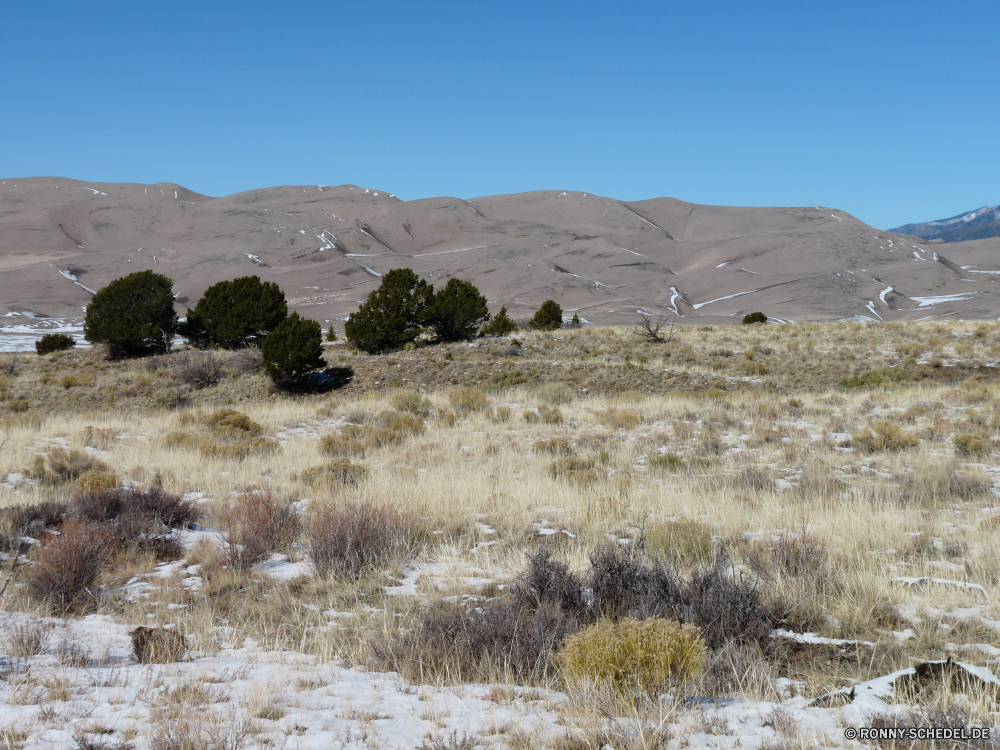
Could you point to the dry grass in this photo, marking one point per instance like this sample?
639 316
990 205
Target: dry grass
458 468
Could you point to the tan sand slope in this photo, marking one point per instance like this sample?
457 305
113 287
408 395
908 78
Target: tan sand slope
603 258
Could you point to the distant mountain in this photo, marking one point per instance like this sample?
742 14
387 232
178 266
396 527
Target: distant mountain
975 225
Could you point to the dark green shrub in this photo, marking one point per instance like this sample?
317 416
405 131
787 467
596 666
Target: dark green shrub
754 317
391 316
331 335
457 311
548 317
500 325
54 342
133 315
293 349
234 314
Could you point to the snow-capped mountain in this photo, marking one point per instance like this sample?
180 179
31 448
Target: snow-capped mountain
975 225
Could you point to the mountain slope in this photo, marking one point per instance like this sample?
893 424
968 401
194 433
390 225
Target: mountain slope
973 225
603 258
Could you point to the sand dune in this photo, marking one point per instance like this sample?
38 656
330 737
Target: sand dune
603 258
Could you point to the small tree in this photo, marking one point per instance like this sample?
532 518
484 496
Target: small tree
331 335
500 325
754 317
293 349
457 311
548 317
392 314
234 314
133 315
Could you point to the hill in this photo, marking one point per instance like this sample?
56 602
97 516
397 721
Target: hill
602 258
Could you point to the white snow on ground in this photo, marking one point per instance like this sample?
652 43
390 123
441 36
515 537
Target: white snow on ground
72 278
22 338
884 292
598 284
320 705
871 308
723 264
838 218
329 241
884 687
255 259
317 706
917 256
931 301
446 252
674 296
720 299
373 273
814 639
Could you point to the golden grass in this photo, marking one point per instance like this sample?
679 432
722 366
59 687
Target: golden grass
675 443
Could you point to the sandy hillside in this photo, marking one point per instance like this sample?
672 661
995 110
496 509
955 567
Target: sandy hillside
603 258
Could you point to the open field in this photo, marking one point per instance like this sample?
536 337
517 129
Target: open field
760 482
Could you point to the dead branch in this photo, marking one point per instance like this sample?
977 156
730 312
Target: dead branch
660 330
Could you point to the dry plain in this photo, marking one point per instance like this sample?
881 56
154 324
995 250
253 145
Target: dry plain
838 478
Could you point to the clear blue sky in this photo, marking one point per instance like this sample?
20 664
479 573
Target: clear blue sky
886 109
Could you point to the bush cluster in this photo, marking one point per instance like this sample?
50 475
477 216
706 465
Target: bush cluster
61 465
634 656
518 634
230 435
389 428
339 471
258 523
95 527
54 342
883 436
351 538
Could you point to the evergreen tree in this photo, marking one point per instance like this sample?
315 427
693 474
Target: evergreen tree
234 314
293 349
500 325
134 315
457 311
548 317
392 314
